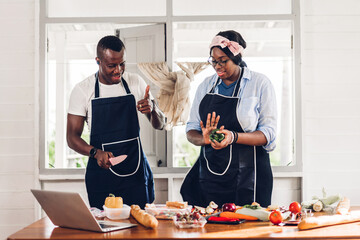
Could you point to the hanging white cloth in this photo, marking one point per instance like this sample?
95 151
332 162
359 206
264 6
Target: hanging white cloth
173 96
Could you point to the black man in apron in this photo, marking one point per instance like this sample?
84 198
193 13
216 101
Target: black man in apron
115 128
239 173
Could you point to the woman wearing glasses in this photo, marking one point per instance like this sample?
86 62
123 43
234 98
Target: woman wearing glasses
241 103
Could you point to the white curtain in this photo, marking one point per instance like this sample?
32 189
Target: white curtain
173 96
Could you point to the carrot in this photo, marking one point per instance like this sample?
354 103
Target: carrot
237 216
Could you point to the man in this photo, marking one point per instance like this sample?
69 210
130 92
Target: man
108 101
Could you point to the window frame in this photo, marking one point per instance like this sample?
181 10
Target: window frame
169 19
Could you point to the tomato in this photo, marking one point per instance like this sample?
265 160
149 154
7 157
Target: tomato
275 217
295 207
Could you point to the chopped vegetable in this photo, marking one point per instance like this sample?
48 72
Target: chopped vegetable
318 206
214 136
253 206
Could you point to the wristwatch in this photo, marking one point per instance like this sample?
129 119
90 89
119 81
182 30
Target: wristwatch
93 152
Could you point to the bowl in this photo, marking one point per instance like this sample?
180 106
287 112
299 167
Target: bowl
190 224
117 213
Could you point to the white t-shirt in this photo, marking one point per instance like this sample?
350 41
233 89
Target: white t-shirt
84 92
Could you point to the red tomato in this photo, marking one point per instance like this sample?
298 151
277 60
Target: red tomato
275 217
295 207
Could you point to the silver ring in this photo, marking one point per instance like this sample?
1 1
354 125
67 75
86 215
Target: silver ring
139 105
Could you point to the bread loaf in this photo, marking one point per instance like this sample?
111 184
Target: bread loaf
343 206
143 217
322 221
176 204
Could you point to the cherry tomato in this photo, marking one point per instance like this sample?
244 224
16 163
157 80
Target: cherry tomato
275 217
295 207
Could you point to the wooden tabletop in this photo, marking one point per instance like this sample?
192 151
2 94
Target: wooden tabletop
44 229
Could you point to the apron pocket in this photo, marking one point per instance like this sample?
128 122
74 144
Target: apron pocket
129 147
217 161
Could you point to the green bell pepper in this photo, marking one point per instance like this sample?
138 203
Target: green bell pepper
214 136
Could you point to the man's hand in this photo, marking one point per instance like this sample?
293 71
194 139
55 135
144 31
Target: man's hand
211 124
145 105
102 158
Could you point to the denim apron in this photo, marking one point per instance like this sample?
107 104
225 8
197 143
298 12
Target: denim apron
115 128
239 173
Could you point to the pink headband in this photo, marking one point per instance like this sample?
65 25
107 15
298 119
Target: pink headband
234 47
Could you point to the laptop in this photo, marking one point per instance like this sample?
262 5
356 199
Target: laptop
68 209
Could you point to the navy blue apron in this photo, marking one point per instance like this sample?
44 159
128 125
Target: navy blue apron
115 128
239 174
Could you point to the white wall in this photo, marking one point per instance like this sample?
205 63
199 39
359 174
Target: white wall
331 100
18 119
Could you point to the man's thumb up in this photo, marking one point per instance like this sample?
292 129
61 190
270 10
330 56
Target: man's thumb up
147 95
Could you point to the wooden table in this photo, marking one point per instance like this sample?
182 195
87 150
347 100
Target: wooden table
44 229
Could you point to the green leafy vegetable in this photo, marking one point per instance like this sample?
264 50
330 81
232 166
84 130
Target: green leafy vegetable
253 206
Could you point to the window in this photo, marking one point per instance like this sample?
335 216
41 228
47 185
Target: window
105 8
268 51
68 37
70 58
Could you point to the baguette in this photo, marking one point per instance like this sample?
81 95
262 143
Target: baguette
177 204
343 206
328 220
143 217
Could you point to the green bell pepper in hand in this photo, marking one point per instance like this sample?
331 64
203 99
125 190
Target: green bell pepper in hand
214 136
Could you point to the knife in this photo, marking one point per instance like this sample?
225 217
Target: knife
116 160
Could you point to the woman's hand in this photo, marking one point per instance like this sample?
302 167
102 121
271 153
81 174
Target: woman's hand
211 124
102 158
225 142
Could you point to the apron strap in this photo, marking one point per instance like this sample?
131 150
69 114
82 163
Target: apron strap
97 91
127 89
213 88
237 86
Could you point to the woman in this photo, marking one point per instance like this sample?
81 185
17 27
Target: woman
242 104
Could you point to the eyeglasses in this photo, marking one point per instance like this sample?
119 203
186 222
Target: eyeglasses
214 62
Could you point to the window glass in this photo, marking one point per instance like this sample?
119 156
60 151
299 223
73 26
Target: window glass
106 8
268 51
231 7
